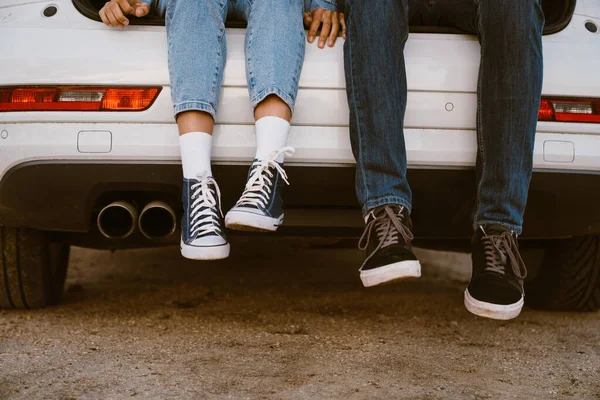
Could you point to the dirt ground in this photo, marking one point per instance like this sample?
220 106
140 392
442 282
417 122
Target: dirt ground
285 319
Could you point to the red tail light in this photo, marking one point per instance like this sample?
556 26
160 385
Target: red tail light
77 98
128 99
33 96
570 110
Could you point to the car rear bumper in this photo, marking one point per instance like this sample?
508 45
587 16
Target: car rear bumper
57 176
315 145
67 196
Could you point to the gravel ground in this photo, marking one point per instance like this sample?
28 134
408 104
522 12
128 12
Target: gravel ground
285 319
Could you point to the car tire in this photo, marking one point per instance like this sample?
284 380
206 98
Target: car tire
569 277
32 269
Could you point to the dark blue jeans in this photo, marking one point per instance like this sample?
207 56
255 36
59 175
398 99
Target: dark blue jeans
509 91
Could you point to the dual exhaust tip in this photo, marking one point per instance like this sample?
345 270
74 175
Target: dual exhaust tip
120 219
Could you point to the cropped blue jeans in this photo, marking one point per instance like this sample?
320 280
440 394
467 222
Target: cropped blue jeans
274 45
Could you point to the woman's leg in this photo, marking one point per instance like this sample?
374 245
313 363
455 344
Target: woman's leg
272 116
273 106
197 53
195 121
275 44
196 27
274 55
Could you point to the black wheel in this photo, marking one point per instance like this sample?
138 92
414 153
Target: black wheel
32 269
569 277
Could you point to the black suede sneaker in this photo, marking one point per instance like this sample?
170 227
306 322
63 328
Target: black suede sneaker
389 252
496 287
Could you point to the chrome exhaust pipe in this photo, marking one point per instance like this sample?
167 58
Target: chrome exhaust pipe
157 220
118 220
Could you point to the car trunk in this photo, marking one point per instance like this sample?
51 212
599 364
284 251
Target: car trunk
441 69
558 14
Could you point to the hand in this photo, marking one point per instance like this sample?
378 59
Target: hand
113 13
330 28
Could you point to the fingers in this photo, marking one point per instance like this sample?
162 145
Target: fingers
335 29
110 18
307 19
113 13
142 9
125 6
103 16
343 23
325 28
118 14
317 17
330 23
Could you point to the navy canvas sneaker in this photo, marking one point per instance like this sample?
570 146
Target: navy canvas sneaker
389 250
260 208
202 231
496 287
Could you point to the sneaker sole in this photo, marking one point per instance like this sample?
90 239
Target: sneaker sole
244 221
493 311
400 271
205 253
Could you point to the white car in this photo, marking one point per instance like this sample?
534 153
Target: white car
89 150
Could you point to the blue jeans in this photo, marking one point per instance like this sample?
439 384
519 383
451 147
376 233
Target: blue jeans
509 91
197 50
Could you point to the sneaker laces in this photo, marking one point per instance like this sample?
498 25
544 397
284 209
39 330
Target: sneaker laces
258 188
204 216
498 249
388 226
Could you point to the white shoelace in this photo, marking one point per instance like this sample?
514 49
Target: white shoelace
204 216
258 188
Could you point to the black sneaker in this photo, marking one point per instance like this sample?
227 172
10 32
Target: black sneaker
260 208
496 287
389 252
202 229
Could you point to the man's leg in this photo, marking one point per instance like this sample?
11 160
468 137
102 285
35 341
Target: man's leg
274 56
377 93
197 53
509 91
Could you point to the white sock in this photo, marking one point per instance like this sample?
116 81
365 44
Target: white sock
195 154
271 135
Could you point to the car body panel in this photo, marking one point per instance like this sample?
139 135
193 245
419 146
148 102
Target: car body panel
70 49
